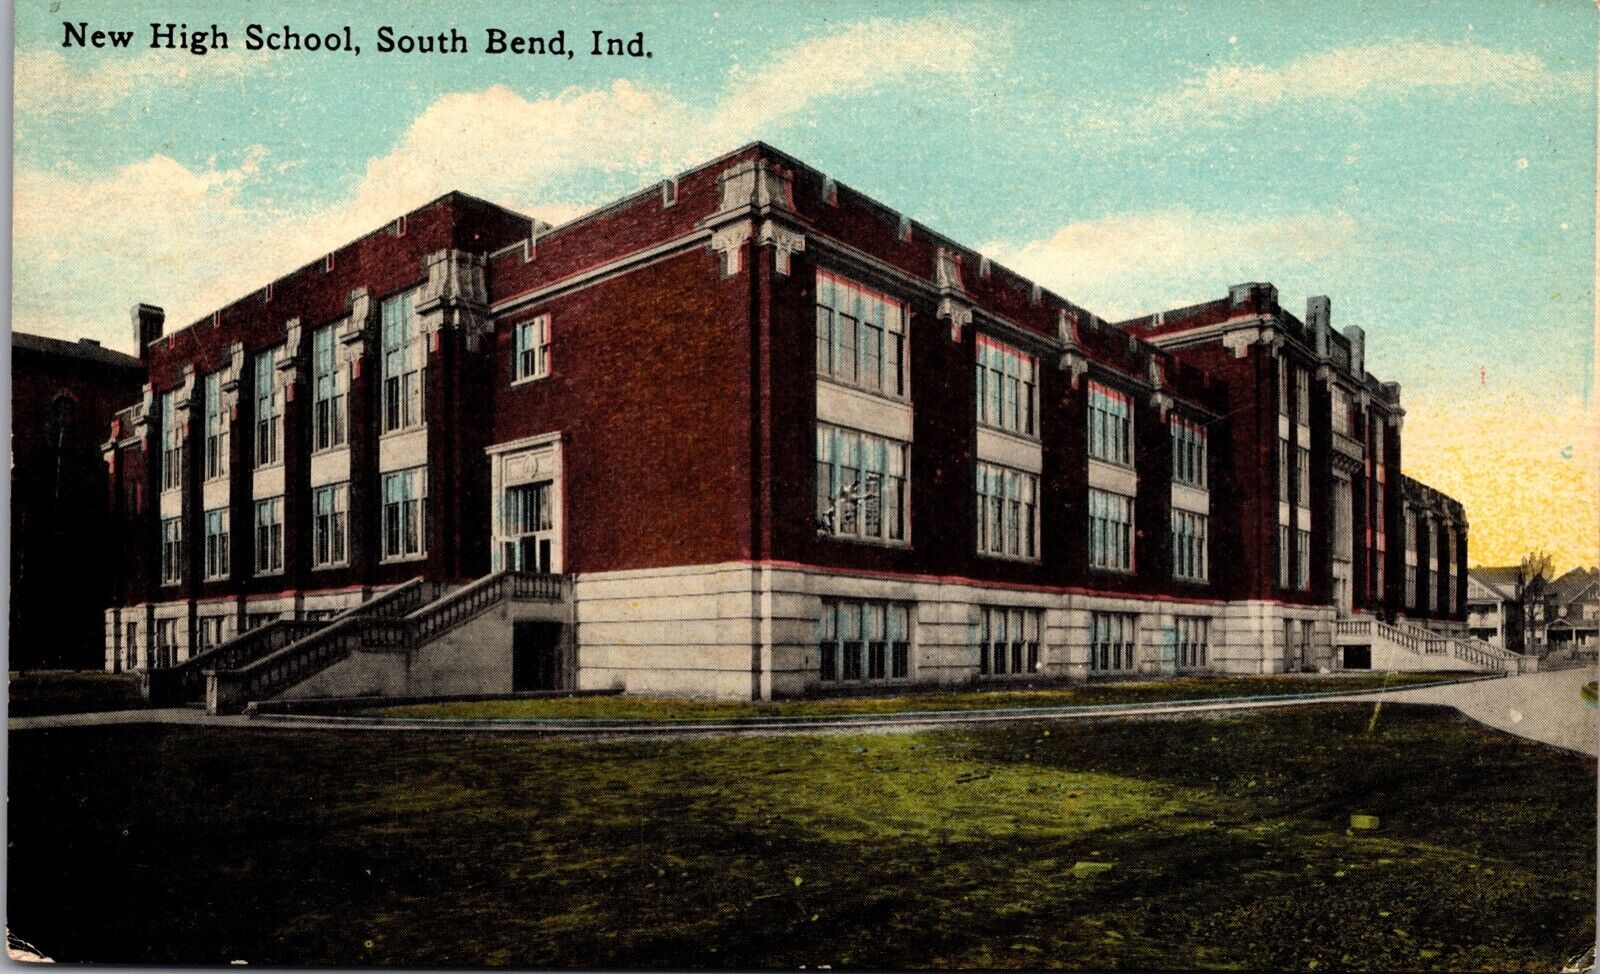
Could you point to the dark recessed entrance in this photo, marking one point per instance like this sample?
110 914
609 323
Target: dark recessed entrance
1358 657
535 655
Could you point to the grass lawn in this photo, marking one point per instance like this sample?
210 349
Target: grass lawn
1154 691
1145 844
71 692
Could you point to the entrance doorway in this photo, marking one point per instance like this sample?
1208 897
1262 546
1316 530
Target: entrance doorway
535 655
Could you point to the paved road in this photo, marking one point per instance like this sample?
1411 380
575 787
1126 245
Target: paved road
1544 707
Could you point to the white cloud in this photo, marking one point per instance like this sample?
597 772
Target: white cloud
88 245
1390 69
48 83
1125 264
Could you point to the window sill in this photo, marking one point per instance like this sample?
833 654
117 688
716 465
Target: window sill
890 397
1015 559
856 540
330 566
220 478
405 431
1184 580
217 578
1119 464
1105 570
528 380
267 466
324 450
275 573
1033 438
401 559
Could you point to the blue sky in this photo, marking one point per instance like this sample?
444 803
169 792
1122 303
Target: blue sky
1431 167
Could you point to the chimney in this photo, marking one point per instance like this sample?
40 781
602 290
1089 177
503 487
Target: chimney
1319 312
1261 298
147 322
1358 350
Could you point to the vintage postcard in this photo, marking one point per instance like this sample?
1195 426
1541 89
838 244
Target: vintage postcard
1084 484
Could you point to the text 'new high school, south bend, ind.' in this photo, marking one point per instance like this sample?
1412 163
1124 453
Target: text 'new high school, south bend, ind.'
342 40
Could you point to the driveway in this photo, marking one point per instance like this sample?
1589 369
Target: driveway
1544 707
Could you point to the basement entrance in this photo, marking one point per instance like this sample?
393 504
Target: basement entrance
535 655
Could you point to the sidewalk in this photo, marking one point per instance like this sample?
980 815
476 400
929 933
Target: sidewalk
1544 707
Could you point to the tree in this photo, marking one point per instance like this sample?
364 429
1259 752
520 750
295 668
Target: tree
1533 577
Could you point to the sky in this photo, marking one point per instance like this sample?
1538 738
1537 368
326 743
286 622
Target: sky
1429 166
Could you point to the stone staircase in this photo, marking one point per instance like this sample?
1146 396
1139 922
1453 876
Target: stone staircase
417 615
1408 646
185 683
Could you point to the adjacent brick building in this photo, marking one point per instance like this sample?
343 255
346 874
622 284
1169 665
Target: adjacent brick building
63 395
777 439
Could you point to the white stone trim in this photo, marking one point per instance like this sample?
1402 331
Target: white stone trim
330 467
1010 450
1193 499
858 409
1114 478
403 450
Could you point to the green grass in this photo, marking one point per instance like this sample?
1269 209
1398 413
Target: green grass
1143 844
647 708
71 692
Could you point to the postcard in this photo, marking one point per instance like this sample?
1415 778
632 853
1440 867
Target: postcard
1085 484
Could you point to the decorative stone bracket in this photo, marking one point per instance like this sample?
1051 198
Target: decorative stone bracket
1240 340
1073 359
455 297
959 313
1159 398
729 243
353 330
288 364
953 302
785 243
755 183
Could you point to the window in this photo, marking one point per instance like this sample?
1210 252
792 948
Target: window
130 645
861 485
404 365
1283 470
217 564
1008 641
1302 473
255 620
1111 641
526 518
1302 559
1283 555
171 550
1110 531
1189 559
329 525
405 515
1110 425
1008 512
1341 408
530 349
166 642
1302 397
171 444
1188 452
269 410
330 389
1283 387
860 336
1193 633
210 632
1007 387
216 429
269 535
864 640
1411 586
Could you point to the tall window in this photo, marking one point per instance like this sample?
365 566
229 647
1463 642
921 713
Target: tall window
166 642
1008 512
1189 546
1283 470
329 391
329 525
1302 559
1008 641
1302 396
527 515
1112 637
216 429
171 550
530 349
1341 407
864 640
217 565
1007 387
1110 531
269 409
860 336
171 444
1283 555
1283 387
861 484
1380 536
210 632
1193 635
1302 473
269 535
404 365
1188 452
1110 425
405 515
130 645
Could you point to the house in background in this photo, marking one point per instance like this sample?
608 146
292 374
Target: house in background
63 395
1493 614
1569 614
748 433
